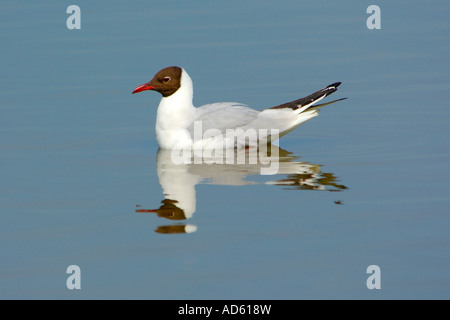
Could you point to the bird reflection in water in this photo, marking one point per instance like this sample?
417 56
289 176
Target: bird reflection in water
178 181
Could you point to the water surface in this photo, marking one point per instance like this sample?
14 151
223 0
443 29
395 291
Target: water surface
365 183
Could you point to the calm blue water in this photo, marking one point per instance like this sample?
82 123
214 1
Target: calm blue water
366 183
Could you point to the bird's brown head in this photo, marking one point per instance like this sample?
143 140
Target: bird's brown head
167 81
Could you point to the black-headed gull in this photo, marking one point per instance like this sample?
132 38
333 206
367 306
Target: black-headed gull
225 124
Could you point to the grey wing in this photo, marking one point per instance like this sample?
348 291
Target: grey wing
223 115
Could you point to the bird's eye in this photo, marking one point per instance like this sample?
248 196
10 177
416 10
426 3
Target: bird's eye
166 79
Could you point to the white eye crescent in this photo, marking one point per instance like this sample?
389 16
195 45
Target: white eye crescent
166 79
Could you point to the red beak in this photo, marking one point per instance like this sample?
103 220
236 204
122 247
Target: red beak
143 87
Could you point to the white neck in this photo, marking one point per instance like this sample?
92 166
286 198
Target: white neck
175 113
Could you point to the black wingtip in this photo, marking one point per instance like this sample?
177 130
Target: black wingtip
294 105
335 85
331 88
